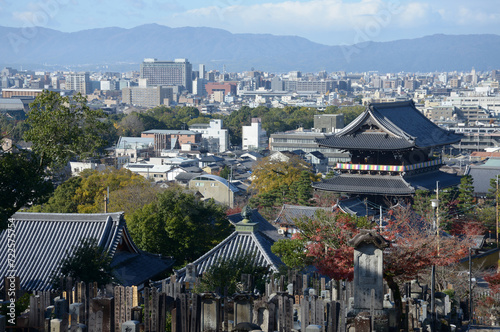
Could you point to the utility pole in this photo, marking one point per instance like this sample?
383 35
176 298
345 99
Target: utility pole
496 198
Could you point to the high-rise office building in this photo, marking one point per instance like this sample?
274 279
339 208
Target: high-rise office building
202 71
177 72
79 82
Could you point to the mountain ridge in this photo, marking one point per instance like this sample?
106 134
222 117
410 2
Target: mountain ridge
124 49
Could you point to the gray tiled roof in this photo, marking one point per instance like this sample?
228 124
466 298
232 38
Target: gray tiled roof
366 141
356 206
290 213
366 184
43 239
387 184
258 242
481 176
264 226
404 127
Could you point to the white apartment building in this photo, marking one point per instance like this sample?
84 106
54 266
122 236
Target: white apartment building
491 103
214 138
253 136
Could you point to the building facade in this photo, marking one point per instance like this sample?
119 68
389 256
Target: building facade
171 139
253 136
148 96
177 72
214 138
79 82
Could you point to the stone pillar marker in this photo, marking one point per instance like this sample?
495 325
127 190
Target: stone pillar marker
368 271
210 312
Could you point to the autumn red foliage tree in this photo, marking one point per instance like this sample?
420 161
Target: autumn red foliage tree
415 246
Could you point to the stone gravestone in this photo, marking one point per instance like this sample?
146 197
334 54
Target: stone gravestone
210 312
131 326
368 280
190 279
368 270
242 309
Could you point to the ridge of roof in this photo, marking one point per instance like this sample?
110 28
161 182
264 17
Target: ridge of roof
404 124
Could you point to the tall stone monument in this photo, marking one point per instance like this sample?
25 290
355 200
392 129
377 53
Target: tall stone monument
368 274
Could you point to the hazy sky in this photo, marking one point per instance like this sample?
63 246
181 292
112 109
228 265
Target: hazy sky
330 22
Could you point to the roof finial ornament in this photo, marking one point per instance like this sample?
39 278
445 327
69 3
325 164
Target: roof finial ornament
246 213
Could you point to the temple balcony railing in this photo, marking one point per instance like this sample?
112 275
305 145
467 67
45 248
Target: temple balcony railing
388 168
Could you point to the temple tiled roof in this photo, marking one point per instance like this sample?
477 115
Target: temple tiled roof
389 126
355 206
257 242
387 184
43 239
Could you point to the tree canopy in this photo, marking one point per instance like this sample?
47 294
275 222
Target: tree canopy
179 224
85 193
278 182
86 262
62 127
22 182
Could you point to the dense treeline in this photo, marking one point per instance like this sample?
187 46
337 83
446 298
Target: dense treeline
162 117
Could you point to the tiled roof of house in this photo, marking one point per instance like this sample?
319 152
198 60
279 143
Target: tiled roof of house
43 239
290 213
481 176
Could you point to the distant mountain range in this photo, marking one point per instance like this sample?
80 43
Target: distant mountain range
119 49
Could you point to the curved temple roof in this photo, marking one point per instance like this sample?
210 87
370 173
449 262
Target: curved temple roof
390 126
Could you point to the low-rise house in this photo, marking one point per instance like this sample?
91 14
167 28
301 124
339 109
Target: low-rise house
213 186
156 173
289 214
78 166
135 148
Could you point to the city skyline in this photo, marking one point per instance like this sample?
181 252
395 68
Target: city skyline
329 22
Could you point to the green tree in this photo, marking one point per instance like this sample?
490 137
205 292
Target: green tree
22 183
292 253
225 172
87 262
179 224
277 182
62 200
94 186
350 112
62 127
466 194
226 273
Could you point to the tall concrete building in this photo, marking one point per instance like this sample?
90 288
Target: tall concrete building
148 96
201 71
254 137
79 82
177 72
